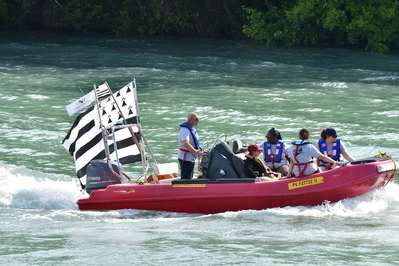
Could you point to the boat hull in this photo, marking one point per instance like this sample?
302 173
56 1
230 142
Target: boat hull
334 185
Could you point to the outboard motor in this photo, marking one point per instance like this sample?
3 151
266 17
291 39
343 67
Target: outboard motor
222 163
99 175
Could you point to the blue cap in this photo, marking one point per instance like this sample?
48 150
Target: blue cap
331 132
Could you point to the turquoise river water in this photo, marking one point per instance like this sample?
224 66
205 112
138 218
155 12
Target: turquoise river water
239 89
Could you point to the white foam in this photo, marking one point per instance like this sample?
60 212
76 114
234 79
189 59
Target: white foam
266 64
392 113
37 97
381 78
373 137
315 110
9 98
23 188
377 100
373 202
338 85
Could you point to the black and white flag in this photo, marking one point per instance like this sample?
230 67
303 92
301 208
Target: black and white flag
84 140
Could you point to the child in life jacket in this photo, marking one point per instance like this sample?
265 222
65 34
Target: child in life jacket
302 154
274 152
331 146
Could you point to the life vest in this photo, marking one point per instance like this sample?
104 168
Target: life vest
194 136
271 157
335 153
300 142
301 166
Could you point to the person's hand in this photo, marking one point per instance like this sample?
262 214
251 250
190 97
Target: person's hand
334 164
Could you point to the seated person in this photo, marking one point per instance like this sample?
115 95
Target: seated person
274 153
332 146
255 167
301 153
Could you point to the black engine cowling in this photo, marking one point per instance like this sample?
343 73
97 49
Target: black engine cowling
99 175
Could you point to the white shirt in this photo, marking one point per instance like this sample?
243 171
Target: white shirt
184 134
309 151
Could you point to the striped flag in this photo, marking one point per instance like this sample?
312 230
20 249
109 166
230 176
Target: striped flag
103 90
84 140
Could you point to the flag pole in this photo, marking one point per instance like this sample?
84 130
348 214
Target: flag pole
104 134
144 161
155 163
106 148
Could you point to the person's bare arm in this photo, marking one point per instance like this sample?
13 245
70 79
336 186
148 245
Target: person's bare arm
190 147
346 154
327 159
290 166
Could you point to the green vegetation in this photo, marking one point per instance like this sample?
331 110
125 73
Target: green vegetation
368 24
372 25
204 18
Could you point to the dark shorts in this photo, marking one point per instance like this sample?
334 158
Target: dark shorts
186 169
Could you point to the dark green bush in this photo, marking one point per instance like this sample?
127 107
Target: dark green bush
369 24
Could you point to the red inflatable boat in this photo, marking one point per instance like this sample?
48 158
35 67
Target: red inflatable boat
213 196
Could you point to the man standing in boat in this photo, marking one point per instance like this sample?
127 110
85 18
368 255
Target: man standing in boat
189 146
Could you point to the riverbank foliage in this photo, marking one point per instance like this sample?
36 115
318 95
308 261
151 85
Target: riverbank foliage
371 25
127 18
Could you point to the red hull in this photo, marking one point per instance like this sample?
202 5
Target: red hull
334 185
